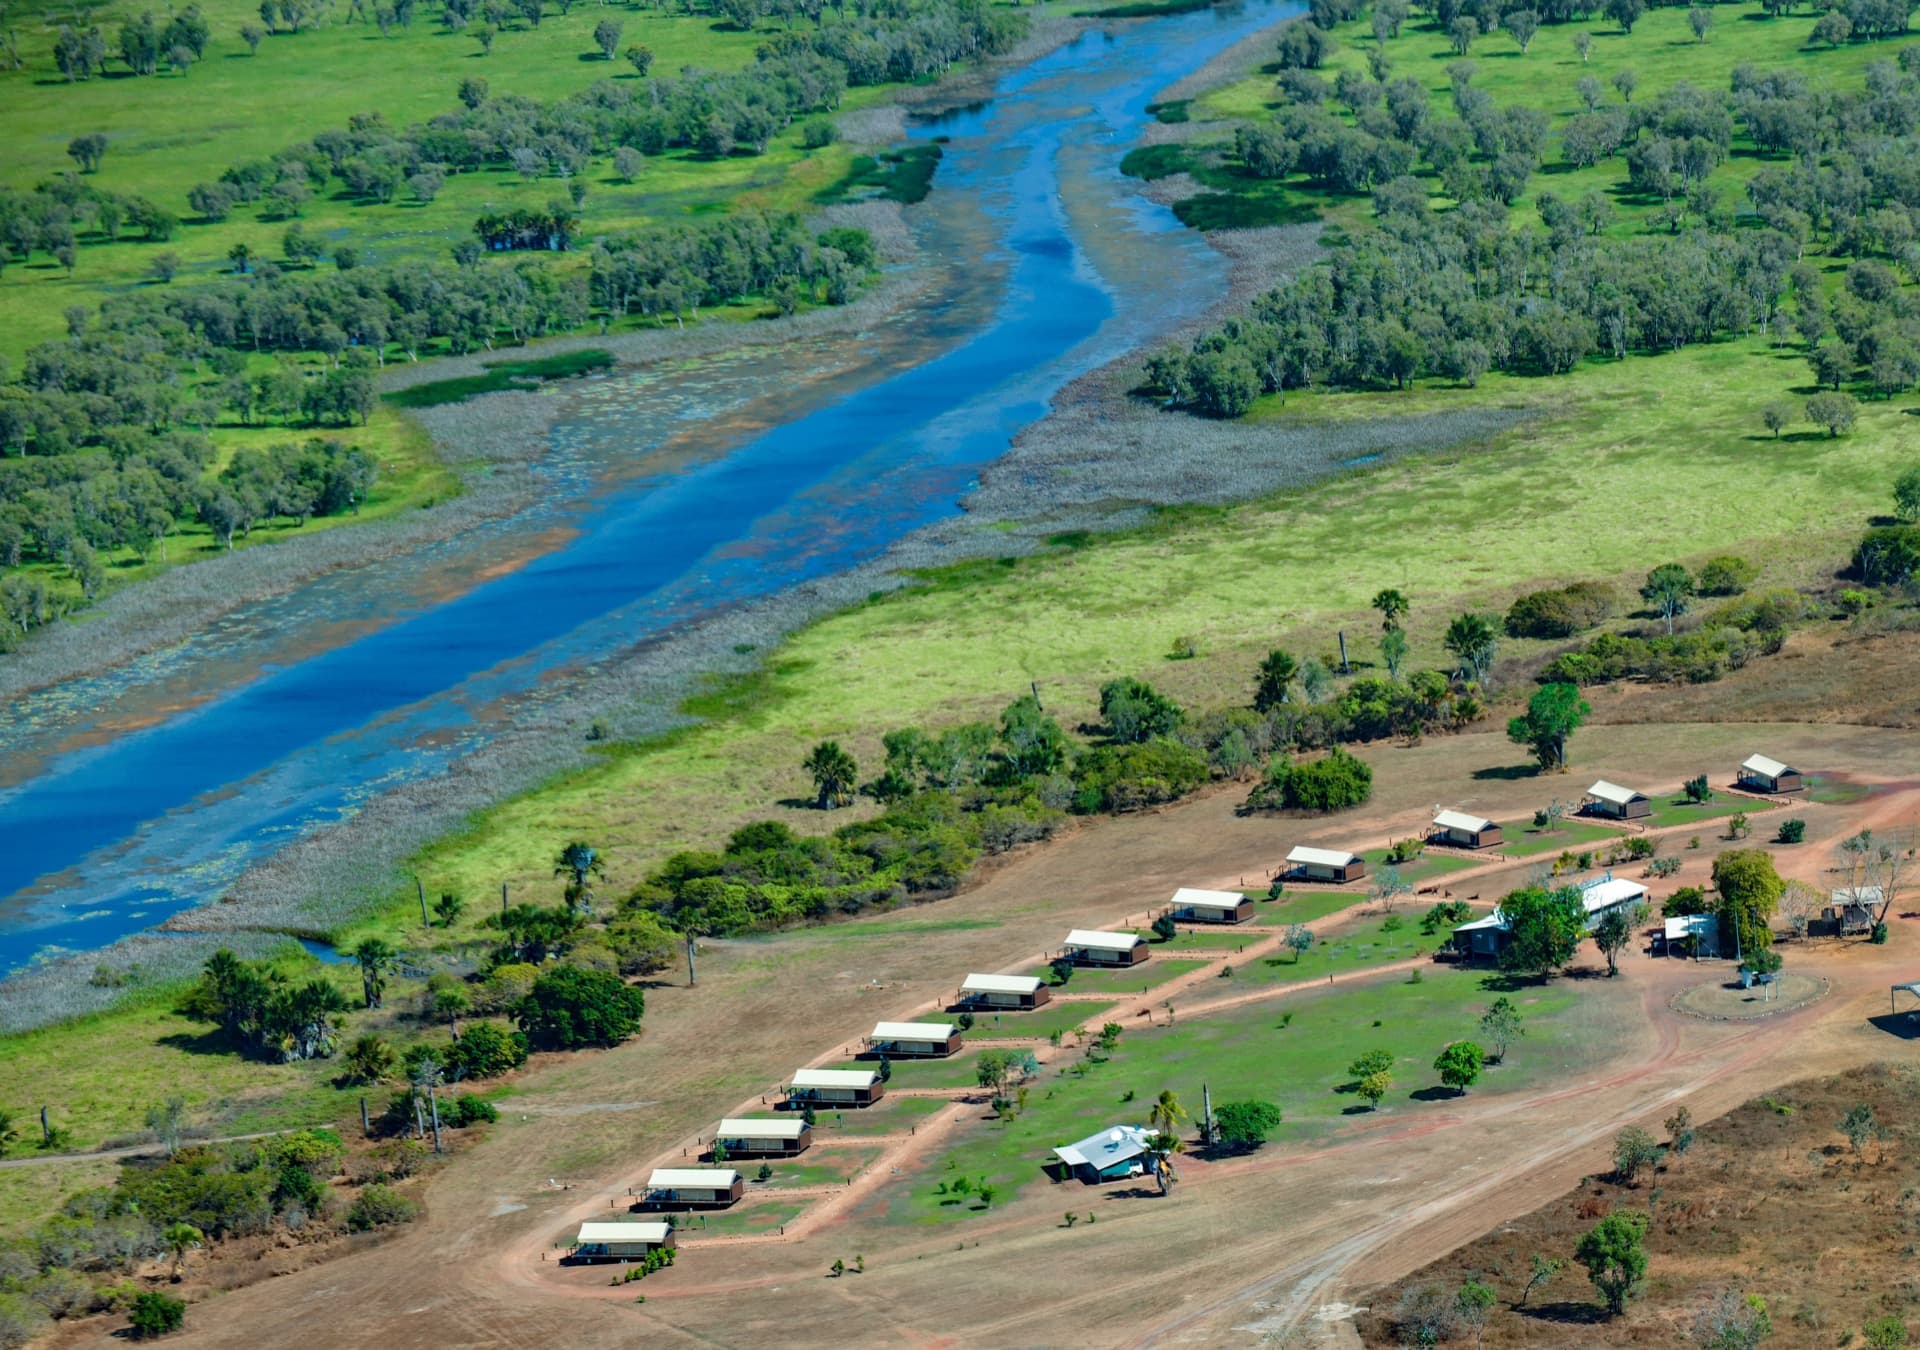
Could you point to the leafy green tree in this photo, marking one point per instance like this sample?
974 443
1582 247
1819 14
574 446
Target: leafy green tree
606 36
1615 1257
1501 1024
1459 1065
87 151
1545 929
1393 651
1474 641
1836 412
1778 416
1615 930
1278 671
1543 1270
487 1050
569 1008
1906 495
1034 743
1244 1126
1298 940
1750 888
640 57
1164 928
1393 606
181 1238
1668 588
1374 1087
834 774
152 1315
1135 711
1475 1304
1553 714
368 1059
532 933
1634 1150
452 1002
376 958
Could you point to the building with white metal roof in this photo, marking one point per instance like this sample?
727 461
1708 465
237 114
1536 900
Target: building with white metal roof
1621 803
923 1040
1203 906
1462 830
1325 864
1113 1153
620 1241
1762 773
1008 992
1094 947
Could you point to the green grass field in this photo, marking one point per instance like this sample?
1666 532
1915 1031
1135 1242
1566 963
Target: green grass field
1677 812
1041 1022
810 1169
749 1216
1301 1068
1427 867
1526 841
1205 941
1303 907
1157 970
1350 947
892 1115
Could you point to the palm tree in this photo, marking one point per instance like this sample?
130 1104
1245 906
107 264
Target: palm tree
376 957
1391 604
578 862
449 907
1473 641
450 1003
1277 674
369 1059
181 1238
834 772
1167 1113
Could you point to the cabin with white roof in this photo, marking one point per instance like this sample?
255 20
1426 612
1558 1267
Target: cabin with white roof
1761 774
914 1040
1605 893
1194 905
1458 829
620 1241
1616 802
1003 993
1484 936
692 1188
1324 864
1110 1155
764 1138
1691 934
834 1087
1091 947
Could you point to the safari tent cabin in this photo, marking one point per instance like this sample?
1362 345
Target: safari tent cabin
1193 905
1483 936
834 1087
1457 829
1605 893
1760 774
1616 802
693 1188
1325 864
914 1040
620 1241
1003 993
1089 947
1110 1155
765 1138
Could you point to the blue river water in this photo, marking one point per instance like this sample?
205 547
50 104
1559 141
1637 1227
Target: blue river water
112 838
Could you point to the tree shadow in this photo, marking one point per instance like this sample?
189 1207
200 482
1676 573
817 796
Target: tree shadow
1565 1312
211 1042
1358 1109
1507 772
799 803
1435 1094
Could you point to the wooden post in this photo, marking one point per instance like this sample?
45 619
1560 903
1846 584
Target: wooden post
690 980
1345 669
366 1125
421 886
1035 686
46 1130
503 897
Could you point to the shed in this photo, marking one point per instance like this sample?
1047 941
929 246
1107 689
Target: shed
1003 992
1091 947
1110 1155
1198 906
1853 909
914 1040
1761 774
1482 937
769 1138
1460 830
1698 933
620 1241
1616 802
835 1087
693 1188
1325 864
1608 892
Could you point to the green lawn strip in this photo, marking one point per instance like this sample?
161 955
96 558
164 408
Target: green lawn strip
1422 869
892 1115
748 1216
1304 907
1132 980
1041 1022
1368 943
1835 793
1676 812
809 1169
1208 940
1299 1068
1578 835
956 1071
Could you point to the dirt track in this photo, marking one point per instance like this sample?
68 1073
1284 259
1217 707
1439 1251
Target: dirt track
1263 1243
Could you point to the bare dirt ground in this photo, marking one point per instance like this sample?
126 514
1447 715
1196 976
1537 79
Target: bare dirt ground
1259 1246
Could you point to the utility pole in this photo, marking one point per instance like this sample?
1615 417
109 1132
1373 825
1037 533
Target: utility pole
503 897
1345 669
1206 1115
421 886
690 980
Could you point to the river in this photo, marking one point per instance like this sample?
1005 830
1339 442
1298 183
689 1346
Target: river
674 490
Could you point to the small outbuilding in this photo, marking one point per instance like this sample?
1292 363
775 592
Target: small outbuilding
1603 894
1003 993
1193 905
1761 774
1091 947
914 1040
834 1087
1852 909
1111 1155
1457 829
765 1138
1691 935
620 1241
1616 802
1485 936
693 1188
1325 864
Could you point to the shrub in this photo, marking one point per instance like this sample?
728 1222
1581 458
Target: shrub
1561 612
380 1206
1332 783
1792 831
155 1314
471 1110
1405 850
569 1008
1726 575
1120 778
486 1050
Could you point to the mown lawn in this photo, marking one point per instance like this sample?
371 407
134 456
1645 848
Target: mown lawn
1524 840
1157 970
1041 1022
809 1169
748 1216
1393 937
892 1115
1420 871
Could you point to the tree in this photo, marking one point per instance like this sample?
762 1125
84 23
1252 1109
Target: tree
376 958
253 35
834 774
1473 640
1633 1150
640 57
1615 930
1750 889
1501 1025
1135 711
1298 940
1277 674
628 162
1835 412
569 1008
1626 13
1523 24
1035 744
448 909
181 1238
1679 1128
87 151
452 1003
1667 588
368 1059
1392 606
606 36
1553 714
1474 1307
1777 417
1625 80
1459 1065
1393 651
1461 33
1164 928
152 1315
1700 19
1833 28
1860 1128
1544 1269
1615 1257
1374 1087
1583 45
1906 495
1733 1321
1167 1113
1545 928
579 863
168 1122
1388 886
1244 1126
